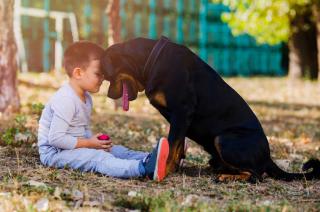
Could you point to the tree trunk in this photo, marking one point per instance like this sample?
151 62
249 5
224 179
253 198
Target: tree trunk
9 98
316 14
113 13
295 66
114 30
302 48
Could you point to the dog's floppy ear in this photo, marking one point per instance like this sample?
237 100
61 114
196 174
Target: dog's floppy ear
116 60
109 61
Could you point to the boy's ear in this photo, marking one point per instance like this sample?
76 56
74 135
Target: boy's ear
76 73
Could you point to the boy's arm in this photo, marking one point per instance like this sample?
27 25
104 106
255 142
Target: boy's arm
88 131
63 112
82 143
94 143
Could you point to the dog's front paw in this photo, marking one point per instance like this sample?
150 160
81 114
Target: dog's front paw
171 165
177 153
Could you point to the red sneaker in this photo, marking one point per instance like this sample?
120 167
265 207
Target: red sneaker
155 165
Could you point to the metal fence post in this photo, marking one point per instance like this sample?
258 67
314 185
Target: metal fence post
87 10
203 29
46 39
179 22
152 19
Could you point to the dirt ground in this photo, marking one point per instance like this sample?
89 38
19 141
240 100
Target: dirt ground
289 113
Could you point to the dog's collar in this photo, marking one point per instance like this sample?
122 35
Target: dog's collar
155 52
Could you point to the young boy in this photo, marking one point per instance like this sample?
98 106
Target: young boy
64 136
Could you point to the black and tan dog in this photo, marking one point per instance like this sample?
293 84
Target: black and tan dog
197 103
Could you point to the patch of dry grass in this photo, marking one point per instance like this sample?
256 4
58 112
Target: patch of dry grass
290 115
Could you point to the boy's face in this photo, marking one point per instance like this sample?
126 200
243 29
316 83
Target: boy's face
91 78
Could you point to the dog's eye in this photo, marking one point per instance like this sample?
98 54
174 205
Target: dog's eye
107 77
99 75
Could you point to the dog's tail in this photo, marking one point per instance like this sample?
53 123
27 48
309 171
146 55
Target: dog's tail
275 172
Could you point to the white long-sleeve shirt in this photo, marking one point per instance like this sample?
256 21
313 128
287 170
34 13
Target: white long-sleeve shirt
64 119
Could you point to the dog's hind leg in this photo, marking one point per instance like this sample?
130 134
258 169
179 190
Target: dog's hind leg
234 157
225 173
218 167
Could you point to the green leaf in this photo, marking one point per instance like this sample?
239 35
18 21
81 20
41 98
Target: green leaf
267 21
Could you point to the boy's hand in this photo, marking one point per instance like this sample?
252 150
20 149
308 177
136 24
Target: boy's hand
105 141
94 143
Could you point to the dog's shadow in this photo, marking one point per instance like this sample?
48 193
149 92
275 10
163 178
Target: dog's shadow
196 171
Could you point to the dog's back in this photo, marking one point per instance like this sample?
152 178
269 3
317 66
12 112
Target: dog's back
218 106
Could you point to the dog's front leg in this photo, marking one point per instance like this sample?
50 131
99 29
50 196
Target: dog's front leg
179 123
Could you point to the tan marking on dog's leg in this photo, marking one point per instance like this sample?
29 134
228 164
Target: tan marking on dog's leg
243 176
176 153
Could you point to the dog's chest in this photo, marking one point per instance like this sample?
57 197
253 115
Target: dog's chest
158 99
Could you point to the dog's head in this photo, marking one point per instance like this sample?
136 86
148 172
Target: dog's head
122 72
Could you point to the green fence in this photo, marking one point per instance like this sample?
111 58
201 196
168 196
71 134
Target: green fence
197 24
194 23
39 33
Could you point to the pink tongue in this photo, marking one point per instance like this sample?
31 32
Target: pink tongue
125 99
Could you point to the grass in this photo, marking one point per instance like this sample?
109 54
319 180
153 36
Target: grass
289 112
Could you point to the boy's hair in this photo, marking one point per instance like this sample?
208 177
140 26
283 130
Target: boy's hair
79 54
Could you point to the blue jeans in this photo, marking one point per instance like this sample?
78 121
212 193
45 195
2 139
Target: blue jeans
120 162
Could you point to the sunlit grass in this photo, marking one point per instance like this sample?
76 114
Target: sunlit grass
290 115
